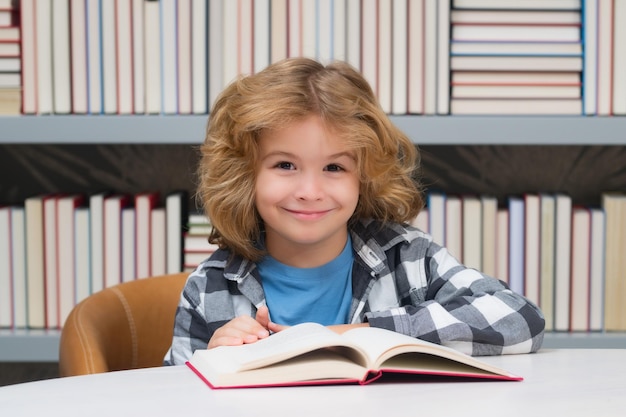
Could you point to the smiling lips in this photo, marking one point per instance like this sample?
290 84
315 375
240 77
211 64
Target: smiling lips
308 214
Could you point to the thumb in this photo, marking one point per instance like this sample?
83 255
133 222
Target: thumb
263 316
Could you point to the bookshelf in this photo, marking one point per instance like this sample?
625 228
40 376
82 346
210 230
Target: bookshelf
42 345
423 130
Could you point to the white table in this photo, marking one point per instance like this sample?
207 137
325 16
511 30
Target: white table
568 382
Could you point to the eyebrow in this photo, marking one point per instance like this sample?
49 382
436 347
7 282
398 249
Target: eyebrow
290 155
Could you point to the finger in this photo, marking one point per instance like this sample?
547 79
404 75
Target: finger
263 316
275 328
224 341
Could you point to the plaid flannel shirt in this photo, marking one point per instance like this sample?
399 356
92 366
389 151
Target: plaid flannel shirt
401 281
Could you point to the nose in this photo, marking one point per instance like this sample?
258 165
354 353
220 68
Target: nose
310 186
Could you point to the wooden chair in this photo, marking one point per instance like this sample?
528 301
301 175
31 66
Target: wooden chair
126 326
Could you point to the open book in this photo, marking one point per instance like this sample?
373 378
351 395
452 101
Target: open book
311 354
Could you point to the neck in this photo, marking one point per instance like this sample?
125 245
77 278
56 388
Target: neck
306 255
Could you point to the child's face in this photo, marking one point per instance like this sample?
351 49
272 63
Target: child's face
307 188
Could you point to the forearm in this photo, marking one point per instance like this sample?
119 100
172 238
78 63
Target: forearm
502 323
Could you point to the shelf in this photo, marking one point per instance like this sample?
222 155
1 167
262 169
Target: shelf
43 345
423 130
29 345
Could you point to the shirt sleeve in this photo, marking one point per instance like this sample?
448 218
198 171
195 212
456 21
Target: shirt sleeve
191 330
464 309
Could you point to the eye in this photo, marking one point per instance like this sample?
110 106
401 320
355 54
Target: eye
333 168
285 165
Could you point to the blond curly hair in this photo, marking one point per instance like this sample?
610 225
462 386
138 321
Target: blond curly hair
282 93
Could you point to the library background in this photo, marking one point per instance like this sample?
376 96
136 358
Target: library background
517 107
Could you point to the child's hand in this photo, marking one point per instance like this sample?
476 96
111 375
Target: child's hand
240 330
263 317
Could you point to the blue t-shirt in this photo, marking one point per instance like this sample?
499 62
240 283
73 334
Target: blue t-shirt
322 294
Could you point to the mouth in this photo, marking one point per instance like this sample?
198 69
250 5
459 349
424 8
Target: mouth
308 214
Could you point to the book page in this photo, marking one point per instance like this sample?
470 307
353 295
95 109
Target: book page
320 365
385 346
283 345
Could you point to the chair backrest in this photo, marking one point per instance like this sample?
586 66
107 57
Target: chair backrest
126 326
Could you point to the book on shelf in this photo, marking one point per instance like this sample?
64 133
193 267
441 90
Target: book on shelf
454 225
516 91
9 16
66 256
614 205
96 239
400 60
532 246
489 233
184 55
94 57
517 4
35 273
128 244
152 53
109 57
11 33
580 268
82 259
436 203
562 261
512 17
604 55
547 204
261 37
199 51
18 267
339 29
564 48
384 56
311 354
515 78
415 58
10 101
124 54
353 32
176 210
113 207
43 58
596 269
430 57
619 58
472 229
138 57
158 257
144 204
516 243
6 290
488 106
78 56
502 244
169 52
216 47
590 73
50 250
515 63
516 33
9 48
443 56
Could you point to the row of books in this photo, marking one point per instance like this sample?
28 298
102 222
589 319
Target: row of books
563 57
567 259
420 56
56 250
